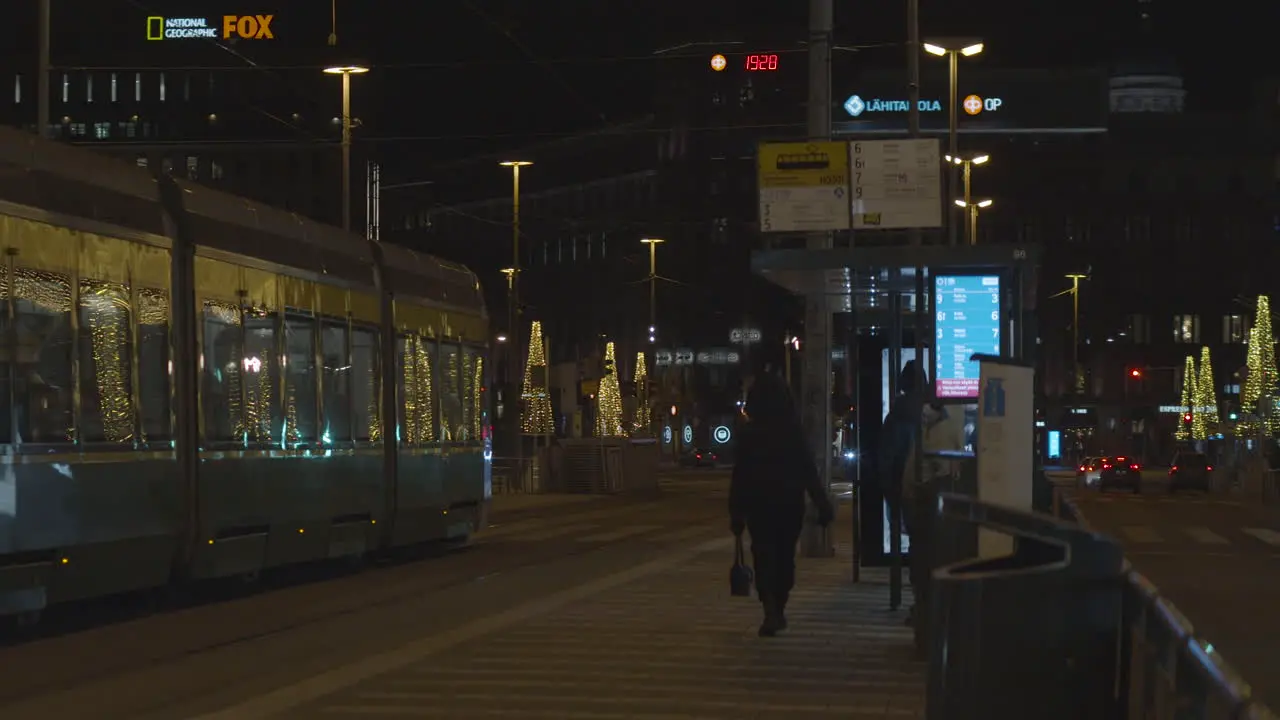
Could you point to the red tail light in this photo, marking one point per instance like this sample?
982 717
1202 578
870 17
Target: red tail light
1081 468
1134 467
699 456
1209 468
1106 466
1173 469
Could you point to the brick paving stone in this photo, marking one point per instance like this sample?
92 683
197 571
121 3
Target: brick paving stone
670 646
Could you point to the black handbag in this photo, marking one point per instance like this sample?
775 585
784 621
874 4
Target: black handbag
741 576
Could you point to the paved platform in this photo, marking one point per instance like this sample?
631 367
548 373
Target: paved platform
659 641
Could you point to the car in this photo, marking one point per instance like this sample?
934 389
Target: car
1120 472
1088 472
700 457
1189 471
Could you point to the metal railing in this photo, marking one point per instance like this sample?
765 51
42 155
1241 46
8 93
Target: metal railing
1163 669
515 476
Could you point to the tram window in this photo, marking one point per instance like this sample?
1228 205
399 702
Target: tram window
42 308
366 390
6 394
417 386
336 382
106 387
263 419
223 364
155 368
451 371
300 379
472 381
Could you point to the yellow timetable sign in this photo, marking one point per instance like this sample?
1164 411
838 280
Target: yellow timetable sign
804 186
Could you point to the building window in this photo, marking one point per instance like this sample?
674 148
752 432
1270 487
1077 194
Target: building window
162 92
1186 328
1233 329
88 87
101 131
137 87
115 88
215 170
77 130
17 89
193 167
1139 330
66 88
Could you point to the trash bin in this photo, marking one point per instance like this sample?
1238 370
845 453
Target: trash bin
1029 635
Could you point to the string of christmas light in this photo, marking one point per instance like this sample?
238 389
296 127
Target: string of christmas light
642 418
451 404
535 419
477 399
425 392
1206 405
153 307
1260 381
609 398
1188 398
107 306
233 372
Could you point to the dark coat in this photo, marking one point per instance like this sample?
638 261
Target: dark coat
775 468
901 430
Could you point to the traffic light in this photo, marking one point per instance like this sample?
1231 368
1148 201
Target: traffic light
1135 373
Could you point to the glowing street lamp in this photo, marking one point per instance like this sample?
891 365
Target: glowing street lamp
953 50
967 164
346 71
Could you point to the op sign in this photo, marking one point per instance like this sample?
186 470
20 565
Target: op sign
804 187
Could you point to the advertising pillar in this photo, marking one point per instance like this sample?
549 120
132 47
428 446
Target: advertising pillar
1006 442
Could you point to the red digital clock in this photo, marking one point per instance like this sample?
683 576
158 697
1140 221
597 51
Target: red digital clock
758 62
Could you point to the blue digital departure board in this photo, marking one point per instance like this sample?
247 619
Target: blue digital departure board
967 322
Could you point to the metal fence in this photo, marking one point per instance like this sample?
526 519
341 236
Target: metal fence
1163 669
516 476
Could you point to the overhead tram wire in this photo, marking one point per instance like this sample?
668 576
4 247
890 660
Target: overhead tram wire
444 64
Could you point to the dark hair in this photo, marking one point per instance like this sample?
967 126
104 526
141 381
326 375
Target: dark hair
769 400
912 377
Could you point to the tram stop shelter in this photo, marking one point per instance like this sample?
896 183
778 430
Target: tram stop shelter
871 290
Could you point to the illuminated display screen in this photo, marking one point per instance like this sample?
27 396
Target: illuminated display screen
967 322
762 62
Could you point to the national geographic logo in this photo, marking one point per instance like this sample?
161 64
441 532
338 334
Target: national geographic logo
242 27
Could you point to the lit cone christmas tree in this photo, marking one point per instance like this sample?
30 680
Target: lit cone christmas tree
536 417
609 398
1205 421
1260 383
642 394
1184 431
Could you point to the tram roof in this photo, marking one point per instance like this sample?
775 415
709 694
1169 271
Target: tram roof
80 183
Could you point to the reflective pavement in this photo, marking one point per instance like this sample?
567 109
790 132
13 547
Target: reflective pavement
1217 559
612 608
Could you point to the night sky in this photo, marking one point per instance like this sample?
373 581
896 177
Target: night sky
455 77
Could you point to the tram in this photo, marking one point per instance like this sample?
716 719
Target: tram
195 386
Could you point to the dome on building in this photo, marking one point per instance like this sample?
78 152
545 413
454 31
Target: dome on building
1146 78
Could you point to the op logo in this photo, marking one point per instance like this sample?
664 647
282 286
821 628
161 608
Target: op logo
973 104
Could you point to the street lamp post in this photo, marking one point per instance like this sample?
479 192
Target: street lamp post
967 164
973 208
952 50
513 309
346 71
1075 329
653 286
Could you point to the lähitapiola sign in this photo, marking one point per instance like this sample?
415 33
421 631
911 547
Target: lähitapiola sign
225 27
857 106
